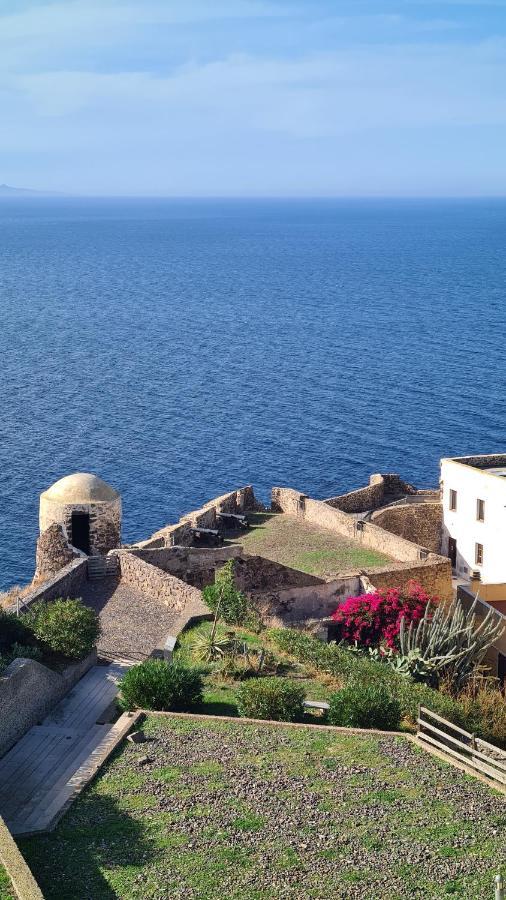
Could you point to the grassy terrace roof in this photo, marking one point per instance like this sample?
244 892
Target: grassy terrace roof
308 548
234 810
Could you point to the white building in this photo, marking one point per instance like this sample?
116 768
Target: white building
473 491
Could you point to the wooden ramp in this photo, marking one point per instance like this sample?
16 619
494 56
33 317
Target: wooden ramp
41 774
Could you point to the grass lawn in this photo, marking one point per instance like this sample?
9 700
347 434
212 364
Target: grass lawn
246 812
308 548
6 891
220 687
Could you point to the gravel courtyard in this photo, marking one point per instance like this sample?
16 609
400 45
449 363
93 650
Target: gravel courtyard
211 809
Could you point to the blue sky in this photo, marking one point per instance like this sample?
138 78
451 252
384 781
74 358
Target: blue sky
254 97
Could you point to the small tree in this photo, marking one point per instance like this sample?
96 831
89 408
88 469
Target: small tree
224 598
373 619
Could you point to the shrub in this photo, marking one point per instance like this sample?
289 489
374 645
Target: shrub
23 651
271 698
157 684
366 705
223 597
12 630
67 627
341 663
373 619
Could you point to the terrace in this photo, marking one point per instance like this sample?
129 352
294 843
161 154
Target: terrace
213 808
306 547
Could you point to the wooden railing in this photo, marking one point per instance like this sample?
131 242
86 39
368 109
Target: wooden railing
462 746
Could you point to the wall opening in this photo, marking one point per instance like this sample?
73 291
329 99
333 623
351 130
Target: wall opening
80 531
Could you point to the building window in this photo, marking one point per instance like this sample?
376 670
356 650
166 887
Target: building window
453 500
480 510
478 554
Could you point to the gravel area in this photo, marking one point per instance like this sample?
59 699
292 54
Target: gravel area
230 810
132 624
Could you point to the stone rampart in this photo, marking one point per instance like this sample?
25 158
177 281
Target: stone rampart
179 535
153 582
430 568
67 582
381 489
28 692
420 523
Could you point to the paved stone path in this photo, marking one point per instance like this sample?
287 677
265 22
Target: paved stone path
44 771
133 624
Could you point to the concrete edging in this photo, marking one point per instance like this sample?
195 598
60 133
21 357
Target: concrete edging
23 882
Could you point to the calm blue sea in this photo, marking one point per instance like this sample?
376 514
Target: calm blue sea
181 348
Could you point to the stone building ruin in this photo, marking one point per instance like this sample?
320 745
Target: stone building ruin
80 515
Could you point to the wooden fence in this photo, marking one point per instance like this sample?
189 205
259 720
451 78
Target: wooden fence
474 752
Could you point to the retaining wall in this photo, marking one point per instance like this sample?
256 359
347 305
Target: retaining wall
420 523
152 581
372 495
303 605
28 692
67 582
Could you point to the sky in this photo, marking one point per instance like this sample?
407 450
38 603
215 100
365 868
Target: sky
254 97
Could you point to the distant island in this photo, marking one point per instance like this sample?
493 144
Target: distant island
7 191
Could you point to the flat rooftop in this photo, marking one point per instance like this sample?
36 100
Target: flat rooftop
305 547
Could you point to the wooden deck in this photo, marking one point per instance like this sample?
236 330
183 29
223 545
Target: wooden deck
50 764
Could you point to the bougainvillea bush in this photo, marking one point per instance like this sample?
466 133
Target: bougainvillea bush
373 620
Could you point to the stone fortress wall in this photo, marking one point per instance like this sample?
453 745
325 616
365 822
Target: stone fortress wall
167 566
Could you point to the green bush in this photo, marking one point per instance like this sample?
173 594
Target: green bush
67 627
24 651
223 597
271 698
157 684
12 630
341 663
365 705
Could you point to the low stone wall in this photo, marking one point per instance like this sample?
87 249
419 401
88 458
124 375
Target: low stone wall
434 576
420 523
22 880
303 605
155 583
372 495
28 692
195 565
179 535
256 573
67 582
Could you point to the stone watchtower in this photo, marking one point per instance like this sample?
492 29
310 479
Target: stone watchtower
87 510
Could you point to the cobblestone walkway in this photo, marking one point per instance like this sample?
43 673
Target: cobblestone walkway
133 624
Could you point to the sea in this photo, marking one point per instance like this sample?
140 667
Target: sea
181 348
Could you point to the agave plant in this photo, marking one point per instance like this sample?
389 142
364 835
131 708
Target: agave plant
447 641
209 646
